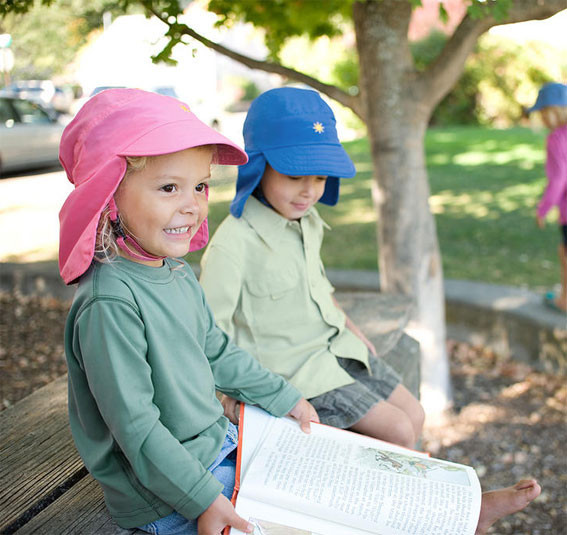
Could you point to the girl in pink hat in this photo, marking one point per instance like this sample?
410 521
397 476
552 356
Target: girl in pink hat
143 351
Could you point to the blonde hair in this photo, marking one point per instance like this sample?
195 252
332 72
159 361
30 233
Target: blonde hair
106 248
554 116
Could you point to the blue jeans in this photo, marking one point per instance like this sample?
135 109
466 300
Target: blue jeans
223 468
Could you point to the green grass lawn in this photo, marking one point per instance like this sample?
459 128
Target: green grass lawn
485 185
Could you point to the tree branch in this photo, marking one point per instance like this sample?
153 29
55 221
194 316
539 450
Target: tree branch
444 72
350 101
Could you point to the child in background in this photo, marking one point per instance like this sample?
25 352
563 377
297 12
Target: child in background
552 105
276 301
143 351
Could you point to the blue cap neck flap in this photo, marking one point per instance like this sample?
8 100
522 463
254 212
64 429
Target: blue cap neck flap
250 176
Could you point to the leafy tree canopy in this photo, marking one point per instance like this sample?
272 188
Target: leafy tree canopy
281 19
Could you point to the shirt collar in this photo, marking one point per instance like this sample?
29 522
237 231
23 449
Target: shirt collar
270 225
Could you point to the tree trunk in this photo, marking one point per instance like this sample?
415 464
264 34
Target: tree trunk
409 258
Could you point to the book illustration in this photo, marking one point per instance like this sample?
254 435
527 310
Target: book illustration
409 465
263 527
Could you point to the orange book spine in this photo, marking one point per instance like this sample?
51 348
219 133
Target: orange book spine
227 529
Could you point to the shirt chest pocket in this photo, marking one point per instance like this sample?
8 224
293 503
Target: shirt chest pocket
273 287
272 299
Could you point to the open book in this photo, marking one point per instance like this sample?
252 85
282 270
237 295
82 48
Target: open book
334 482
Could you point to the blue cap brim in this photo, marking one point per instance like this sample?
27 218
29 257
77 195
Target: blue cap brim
250 175
535 107
320 159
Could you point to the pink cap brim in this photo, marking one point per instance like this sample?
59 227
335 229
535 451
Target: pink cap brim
175 136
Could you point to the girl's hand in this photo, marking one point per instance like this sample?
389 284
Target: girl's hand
540 221
231 408
218 515
304 413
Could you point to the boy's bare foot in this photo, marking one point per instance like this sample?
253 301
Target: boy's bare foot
499 503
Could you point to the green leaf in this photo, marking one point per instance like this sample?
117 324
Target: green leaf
282 19
443 15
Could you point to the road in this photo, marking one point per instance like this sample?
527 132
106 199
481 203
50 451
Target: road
29 223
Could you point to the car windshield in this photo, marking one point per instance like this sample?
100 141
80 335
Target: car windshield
165 90
30 113
105 87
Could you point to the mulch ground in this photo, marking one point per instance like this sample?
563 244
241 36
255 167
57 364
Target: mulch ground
509 421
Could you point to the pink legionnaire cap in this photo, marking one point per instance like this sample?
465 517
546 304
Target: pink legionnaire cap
110 126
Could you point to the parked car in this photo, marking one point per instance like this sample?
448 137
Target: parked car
44 92
29 135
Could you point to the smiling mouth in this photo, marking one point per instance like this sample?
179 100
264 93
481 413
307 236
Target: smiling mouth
177 230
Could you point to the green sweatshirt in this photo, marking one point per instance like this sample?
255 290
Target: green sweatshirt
144 357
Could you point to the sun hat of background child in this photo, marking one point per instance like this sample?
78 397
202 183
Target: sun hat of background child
552 94
294 130
110 126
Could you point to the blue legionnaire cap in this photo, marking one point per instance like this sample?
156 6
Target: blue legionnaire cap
294 130
552 94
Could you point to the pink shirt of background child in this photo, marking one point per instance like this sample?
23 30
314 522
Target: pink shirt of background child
555 193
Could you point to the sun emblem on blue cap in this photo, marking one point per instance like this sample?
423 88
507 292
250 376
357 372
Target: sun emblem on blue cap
318 127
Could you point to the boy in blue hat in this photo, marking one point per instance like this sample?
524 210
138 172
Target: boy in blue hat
276 300
266 284
551 103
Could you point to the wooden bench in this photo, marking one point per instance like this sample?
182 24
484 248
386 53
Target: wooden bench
44 486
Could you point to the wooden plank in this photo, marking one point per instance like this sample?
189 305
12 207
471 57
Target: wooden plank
79 510
37 451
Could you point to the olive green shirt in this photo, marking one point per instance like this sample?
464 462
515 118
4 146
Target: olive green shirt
265 282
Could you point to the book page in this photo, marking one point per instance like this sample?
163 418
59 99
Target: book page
365 484
271 520
255 427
